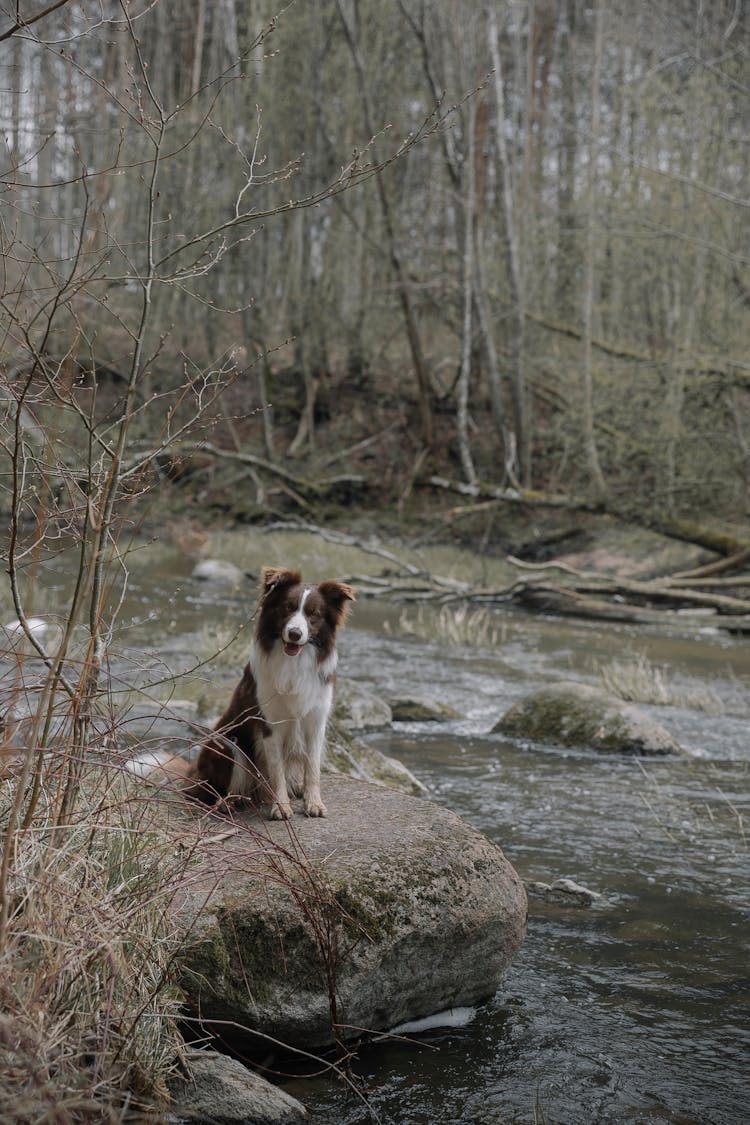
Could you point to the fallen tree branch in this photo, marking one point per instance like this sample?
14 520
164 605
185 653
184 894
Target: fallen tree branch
733 547
300 485
369 548
570 603
735 370
719 541
507 495
741 580
658 590
731 562
585 595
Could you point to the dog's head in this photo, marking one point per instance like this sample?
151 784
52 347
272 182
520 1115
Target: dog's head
297 613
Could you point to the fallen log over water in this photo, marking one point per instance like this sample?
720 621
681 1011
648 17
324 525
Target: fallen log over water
734 547
696 598
569 602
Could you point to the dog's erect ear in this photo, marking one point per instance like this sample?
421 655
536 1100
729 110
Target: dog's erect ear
273 577
337 594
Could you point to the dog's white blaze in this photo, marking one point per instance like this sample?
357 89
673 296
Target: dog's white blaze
298 621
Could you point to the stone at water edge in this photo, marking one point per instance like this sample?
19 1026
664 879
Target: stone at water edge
221 1091
350 756
563 892
573 714
424 913
355 707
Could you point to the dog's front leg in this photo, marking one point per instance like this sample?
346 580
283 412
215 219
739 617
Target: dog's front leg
273 752
315 740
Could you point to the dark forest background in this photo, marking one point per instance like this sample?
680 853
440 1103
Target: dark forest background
504 243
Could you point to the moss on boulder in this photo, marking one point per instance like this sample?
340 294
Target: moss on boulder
411 710
573 714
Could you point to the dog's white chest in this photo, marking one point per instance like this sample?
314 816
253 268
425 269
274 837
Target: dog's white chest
290 687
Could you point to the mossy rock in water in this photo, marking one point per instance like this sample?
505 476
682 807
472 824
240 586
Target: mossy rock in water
572 714
421 711
391 906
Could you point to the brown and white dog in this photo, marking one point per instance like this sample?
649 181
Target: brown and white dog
271 737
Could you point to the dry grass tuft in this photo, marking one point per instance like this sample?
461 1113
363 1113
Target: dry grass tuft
635 679
454 625
87 1030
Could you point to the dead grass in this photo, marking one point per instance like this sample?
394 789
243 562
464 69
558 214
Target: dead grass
88 1008
635 679
454 625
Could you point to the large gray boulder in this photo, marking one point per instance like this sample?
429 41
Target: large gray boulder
573 714
219 571
390 909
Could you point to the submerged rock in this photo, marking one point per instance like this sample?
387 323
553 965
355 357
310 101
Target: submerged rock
563 892
389 910
421 711
219 570
221 1091
573 714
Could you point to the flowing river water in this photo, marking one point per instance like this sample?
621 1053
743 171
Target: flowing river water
635 1009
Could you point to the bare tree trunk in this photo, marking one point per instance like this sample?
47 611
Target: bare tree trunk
513 228
591 456
402 282
462 419
568 246
200 35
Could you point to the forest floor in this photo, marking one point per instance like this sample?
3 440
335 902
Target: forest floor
384 485
366 477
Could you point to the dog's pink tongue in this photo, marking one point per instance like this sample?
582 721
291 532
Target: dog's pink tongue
291 650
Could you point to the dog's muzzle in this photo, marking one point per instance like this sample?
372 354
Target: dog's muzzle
293 639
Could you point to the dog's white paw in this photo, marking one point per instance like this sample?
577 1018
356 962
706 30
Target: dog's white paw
315 808
281 812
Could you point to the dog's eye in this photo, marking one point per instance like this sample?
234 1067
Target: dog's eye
313 613
290 606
